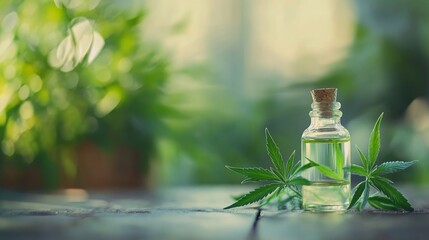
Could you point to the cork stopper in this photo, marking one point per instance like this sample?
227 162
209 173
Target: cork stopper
325 95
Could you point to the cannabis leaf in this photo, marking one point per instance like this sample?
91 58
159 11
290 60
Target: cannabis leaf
285 177
393 199
326 170
339 157
339 162
255 195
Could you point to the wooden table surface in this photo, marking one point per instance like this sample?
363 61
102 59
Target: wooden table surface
193 213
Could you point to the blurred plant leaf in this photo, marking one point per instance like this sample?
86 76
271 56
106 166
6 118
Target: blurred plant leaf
81 42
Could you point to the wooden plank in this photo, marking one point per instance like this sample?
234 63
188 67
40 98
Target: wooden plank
369 224
180 213
194 213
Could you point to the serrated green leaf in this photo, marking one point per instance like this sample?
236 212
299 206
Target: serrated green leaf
295 168
363 159
392 193
279 176
289 164
339 159
236 197
327 171
299 181
295 190
357 170
278 191
254 174
392 167
359 206
382 199
270 197
304 167
274 153
382 179
364 197
374 143
357 194
255 195
382 203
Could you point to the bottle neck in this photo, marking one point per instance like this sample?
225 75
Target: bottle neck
325 113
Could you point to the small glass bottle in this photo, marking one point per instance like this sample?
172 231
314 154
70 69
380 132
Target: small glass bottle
327 143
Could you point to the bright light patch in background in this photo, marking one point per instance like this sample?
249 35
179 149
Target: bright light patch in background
108 103
10 72
418 115
299 37
294 38
82 35
10 21
7 147
189 44
124 65
97 45
7 47
75 195
26 110
24 92
82 41
4 98
77 4
35 83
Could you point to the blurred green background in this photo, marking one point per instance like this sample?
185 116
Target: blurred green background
121 94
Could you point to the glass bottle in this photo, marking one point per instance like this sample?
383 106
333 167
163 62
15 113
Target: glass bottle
327 143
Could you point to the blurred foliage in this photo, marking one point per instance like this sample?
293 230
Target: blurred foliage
73 71
386 71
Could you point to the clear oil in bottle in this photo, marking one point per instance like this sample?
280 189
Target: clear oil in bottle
327 143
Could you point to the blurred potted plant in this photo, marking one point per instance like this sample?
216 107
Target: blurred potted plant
80 104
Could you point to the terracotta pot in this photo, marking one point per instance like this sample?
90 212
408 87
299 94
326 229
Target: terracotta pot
13 177
97 169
